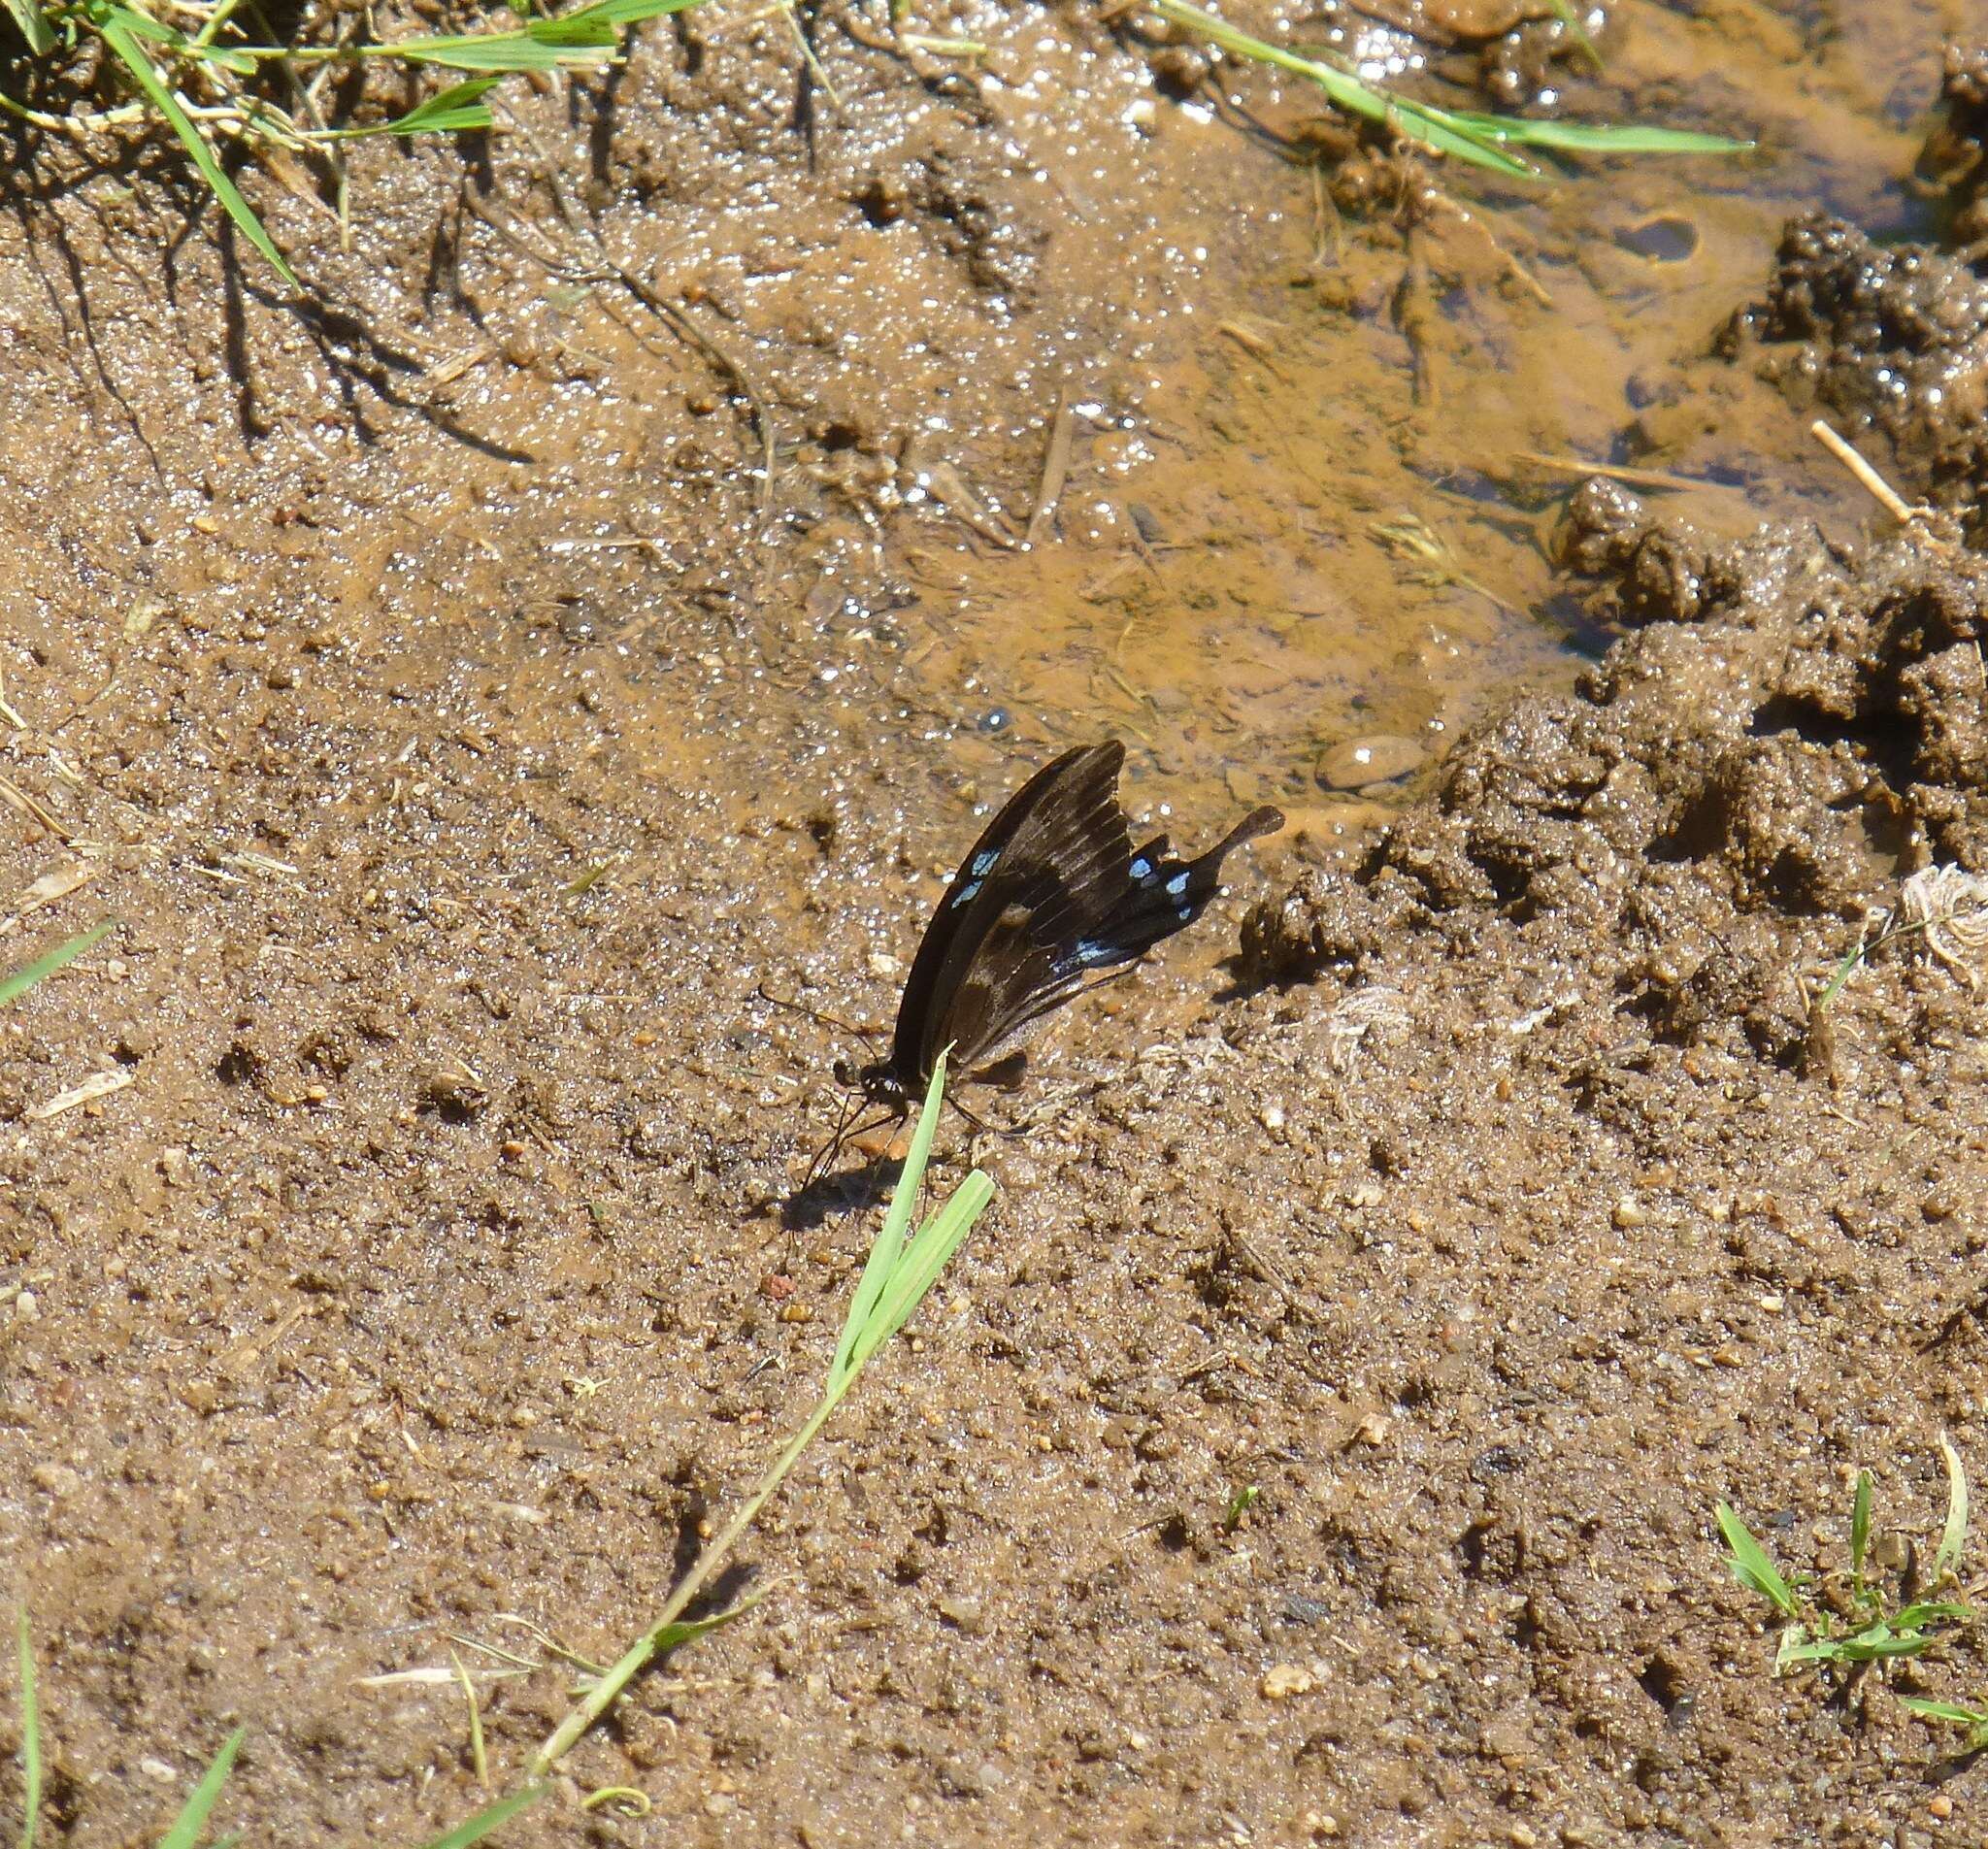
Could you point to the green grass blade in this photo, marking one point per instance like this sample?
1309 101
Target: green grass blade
890 1242
451 112
588 35
120 40
620 12
13 987
1929 1611
491 1817
34 28
1596 138
490 52
1954 1535
1876 1649
1860 1529
1752 1568
1348 92
939 1238
1942 1711
30 1737
1569 16
1796 1648
673 1636
192 1819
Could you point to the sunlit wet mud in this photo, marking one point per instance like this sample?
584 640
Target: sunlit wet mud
618 600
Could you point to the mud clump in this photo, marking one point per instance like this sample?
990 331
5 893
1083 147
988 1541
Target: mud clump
1955 157
1895 340
1790 728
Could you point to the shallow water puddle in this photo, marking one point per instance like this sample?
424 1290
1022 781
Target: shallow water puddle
1316 501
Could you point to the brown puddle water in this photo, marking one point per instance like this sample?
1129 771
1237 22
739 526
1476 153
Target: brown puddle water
1317 503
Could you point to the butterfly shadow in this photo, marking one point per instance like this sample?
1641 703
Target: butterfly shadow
839 1191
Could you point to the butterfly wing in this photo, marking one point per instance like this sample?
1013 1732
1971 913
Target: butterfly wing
1051 896
1160 896
1065 814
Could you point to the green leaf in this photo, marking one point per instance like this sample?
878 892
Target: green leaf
491 1817
119 38
673 1636
13 987
1598 138
1468 134
485 51
939 1238
588 35
1954 1537
1877 1643
1751 1566
631 13
448 112
890 1242
34 28
1795 1648
30 1735
1918 1617
1860 1529
1943 1711
192 1820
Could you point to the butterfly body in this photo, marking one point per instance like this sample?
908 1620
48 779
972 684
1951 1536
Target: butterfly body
1050 899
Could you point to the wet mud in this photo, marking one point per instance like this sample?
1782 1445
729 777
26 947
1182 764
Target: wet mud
681 517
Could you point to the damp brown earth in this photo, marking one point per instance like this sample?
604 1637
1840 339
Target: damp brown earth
618 585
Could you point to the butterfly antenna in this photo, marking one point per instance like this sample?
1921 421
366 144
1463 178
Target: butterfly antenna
820 1019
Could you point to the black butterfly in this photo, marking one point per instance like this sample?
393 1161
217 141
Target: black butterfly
1051 896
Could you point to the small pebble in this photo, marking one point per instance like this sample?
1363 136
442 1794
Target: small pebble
1628 1213
1285 1679
1940 1805
1354 763
1272 1117
966 1613
27 1308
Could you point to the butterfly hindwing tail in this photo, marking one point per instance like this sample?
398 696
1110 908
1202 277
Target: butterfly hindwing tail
1167 897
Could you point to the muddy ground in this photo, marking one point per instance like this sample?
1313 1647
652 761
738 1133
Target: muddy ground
463 722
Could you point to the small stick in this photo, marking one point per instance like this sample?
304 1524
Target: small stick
1880 490
1055 470
1614 471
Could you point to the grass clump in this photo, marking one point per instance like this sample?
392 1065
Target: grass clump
206 83
1845 1620
1481 138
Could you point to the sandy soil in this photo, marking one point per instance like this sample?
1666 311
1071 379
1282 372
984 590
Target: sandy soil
462 724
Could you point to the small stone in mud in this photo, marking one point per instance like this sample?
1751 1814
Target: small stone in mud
1663 238
966 1614
1283 1680
1354 763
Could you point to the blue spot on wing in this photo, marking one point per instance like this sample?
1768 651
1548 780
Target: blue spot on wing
966 895
1141 870
1177 886
983 864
